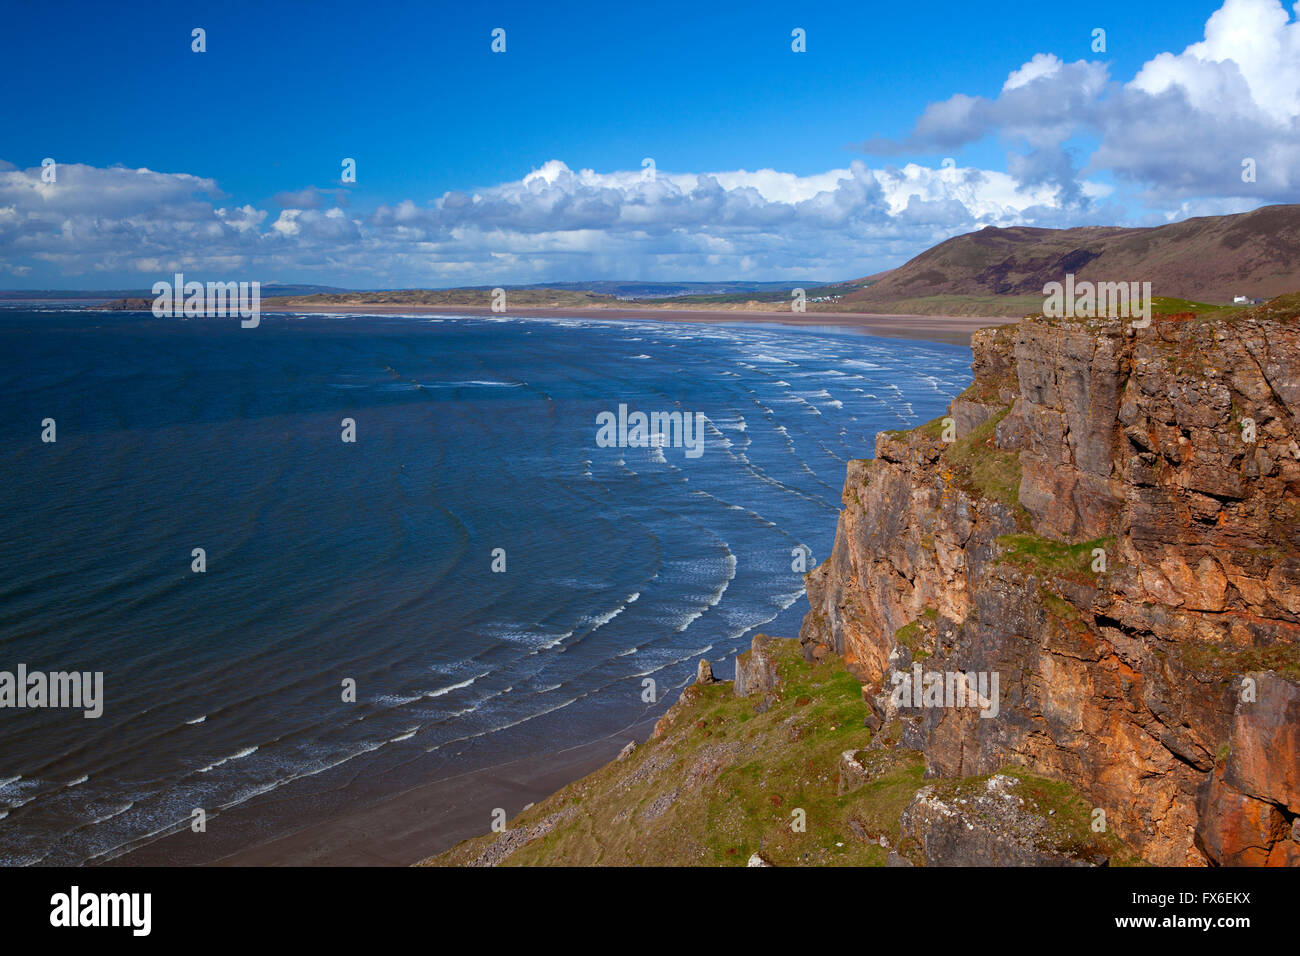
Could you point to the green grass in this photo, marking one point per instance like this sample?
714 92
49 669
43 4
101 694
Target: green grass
1226 661
1168 306
1045 556
987 390
975 464
983 469
1058 607
1165 305
931 429
911 636
1281 309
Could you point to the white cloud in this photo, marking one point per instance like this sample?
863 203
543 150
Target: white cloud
1042 64
553 223
1176 133
1247 65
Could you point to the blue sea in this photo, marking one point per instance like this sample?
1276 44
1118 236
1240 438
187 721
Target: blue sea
372 561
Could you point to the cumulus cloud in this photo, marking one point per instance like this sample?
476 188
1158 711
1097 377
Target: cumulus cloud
310 197
1248 65
1082 146
1178 130
1182 127
553 223
1045 101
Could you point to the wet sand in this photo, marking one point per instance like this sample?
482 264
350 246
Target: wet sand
434 817
953 329
418 823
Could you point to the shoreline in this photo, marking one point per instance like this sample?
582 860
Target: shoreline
948 329
403 828
424 821
415 824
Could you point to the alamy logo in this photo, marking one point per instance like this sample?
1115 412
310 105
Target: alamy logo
37 689
946 689
215 300
658 429
74 908
1108 300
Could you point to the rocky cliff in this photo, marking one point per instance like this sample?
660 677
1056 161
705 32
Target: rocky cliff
1107 521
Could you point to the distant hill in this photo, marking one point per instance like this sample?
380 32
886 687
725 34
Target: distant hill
631 289
1207 259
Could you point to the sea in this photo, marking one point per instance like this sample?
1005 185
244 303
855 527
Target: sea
299 625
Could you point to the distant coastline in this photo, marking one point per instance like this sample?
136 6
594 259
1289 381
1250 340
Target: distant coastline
950 329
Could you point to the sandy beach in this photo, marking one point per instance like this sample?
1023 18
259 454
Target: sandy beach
431 818
417 823
955 330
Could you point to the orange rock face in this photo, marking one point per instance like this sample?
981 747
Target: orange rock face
1138 593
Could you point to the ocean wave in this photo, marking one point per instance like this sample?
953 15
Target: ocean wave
713 599
692 655
485 383
553 642
108 816
600 620
441 691
247 751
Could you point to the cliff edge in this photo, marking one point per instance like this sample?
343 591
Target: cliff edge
1105 531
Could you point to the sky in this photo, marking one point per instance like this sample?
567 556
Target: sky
897 126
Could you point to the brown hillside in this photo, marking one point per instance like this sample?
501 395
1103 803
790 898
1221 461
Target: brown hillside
1207 259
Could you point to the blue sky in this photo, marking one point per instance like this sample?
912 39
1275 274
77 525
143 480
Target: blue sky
241 145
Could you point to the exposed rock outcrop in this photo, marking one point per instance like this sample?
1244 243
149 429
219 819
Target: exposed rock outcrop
502 846
756 669
1115 533
989 825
